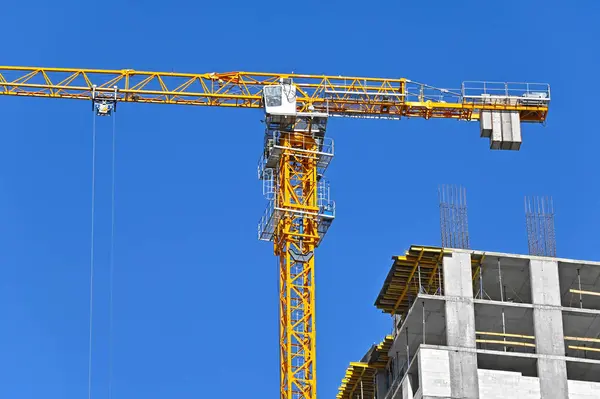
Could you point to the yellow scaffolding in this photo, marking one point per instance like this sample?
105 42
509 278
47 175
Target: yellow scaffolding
417 271
359 380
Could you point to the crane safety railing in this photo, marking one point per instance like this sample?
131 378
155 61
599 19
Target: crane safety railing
274 213
269 221
420 92
507 93
321 149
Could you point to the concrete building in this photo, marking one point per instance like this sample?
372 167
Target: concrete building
474 324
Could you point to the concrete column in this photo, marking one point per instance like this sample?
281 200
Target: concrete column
407 391
460 325
381 379
548 328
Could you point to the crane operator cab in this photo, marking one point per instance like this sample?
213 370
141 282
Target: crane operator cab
281 109
280 99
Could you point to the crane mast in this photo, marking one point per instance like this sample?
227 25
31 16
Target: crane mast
295 239
296 152
298 215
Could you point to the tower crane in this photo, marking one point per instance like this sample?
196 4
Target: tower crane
296 152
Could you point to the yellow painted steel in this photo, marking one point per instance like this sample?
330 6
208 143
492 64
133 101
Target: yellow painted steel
494 341
359 381
478 267
393 297
296 238
399 283
499 334
364 371
584 348
348 96
593 293
583 339
379 357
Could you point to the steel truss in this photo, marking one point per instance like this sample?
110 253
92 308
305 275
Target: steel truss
297 217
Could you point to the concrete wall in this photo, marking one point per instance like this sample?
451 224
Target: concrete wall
381 380
548 328
434 373
436 382
497 384
584 390
494 384
460 325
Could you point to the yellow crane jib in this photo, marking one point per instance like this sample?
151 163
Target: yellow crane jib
344 96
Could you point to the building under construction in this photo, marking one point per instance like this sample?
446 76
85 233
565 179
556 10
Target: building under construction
477 324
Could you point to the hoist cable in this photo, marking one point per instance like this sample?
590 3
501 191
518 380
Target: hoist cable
92 253
112 261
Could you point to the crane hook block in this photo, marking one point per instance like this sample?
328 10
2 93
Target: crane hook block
104 103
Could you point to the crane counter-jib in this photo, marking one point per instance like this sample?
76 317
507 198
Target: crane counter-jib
335 95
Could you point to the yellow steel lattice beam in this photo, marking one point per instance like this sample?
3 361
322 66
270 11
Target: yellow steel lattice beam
295 240
348 96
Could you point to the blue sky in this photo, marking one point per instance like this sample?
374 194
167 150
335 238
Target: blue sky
195 292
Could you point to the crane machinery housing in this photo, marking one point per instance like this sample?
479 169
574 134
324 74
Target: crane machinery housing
296 152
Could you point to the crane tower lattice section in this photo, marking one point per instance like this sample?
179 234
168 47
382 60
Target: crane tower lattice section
297 217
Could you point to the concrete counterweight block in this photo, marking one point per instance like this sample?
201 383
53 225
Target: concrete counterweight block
503 129
496 137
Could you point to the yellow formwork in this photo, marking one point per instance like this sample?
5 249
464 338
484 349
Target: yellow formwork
360 376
